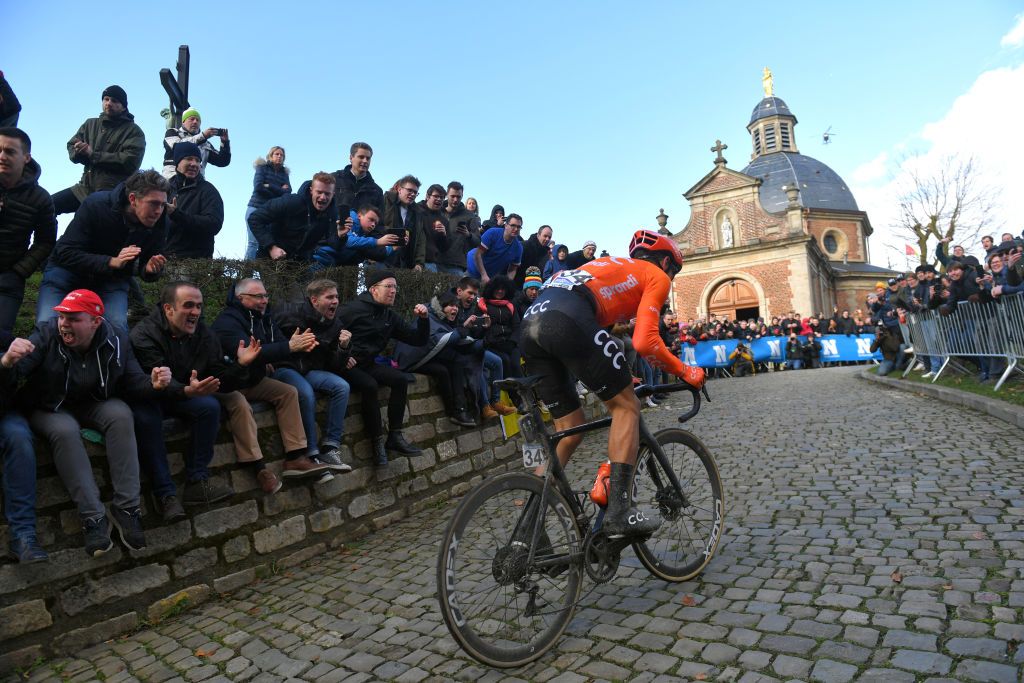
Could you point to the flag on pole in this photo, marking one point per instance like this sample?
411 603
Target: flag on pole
911 251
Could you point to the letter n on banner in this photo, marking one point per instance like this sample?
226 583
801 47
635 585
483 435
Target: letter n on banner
863 347
721 358
830 348
689 357
775 349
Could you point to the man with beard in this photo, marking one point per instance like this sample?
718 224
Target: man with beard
355 185
317 372
463 232
291 227
435 226
189 132
196 211
114 236
27 216
77 370
373 323
110 147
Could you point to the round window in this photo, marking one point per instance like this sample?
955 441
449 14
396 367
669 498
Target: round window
830 244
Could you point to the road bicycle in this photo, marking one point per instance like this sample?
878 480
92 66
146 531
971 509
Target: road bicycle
511 564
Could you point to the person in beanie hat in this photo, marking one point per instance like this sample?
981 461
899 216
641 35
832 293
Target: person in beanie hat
110 147
195 213
532 284
372 321
189 131
583 256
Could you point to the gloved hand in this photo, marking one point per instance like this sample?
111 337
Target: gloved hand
693 376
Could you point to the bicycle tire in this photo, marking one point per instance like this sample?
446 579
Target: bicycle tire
688 537
483 609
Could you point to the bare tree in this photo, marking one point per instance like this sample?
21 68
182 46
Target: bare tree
949 199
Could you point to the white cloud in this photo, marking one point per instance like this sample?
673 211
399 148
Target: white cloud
983 123
1015 38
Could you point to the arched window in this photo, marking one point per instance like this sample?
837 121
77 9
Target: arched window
831 246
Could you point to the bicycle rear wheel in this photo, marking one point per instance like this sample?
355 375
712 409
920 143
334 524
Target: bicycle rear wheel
693 522
502 609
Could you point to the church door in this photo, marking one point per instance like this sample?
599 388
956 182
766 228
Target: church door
735 299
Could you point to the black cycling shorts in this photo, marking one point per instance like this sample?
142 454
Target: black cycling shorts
561 339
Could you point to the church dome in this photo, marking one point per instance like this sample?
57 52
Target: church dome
770 106
820 186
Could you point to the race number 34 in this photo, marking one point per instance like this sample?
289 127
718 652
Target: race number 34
533 455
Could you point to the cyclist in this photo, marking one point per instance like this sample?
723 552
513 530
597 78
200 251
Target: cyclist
564 335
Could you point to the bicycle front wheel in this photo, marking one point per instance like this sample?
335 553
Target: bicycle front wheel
693 516
501 608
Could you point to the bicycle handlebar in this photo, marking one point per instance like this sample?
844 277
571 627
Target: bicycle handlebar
645 390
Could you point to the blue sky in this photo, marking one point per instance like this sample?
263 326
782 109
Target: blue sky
581 115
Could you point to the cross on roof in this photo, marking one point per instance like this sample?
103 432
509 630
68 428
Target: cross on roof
718 149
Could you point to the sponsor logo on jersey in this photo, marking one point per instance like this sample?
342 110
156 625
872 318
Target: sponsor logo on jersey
618 288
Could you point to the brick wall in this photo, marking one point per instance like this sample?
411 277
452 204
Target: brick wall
74 600
849 228
773 277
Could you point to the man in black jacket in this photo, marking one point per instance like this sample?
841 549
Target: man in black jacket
247 321
463 232
26 216
291 227
114 236
435 226
400 214
373 323
317 371
196 212
583 256
355 186
536 252
174 336
76 372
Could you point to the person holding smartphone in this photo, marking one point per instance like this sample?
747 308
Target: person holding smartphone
189 131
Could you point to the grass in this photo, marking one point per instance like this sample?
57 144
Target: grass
1012 390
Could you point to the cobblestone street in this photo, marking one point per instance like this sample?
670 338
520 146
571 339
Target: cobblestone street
872 535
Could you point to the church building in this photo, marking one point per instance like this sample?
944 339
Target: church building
784 233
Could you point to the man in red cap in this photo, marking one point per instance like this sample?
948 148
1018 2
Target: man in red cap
77 369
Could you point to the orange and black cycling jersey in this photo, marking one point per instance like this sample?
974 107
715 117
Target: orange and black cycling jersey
623 289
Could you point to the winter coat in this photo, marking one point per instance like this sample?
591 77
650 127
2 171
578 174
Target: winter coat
268 182
554 266
794 349
351 193
237 323
889 344
292 223
435 242
99 231
576 259
155 346
54 373
208 153
492 222
414 252
459 243
812 349
27 216
504 329
118 146
449 342
844 325
328 354
535 254
745 357
373 325
198 218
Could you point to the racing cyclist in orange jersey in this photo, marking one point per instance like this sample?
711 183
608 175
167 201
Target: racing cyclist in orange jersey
564 335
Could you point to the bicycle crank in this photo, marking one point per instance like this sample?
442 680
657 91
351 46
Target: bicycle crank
601 556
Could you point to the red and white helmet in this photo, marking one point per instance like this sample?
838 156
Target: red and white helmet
656 242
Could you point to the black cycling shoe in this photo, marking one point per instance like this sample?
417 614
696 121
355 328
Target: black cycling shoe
622 519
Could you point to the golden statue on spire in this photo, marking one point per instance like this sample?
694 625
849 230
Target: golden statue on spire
767 82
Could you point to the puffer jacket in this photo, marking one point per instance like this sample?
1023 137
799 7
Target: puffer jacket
53 372
268 182
118 146
373 325
27 216
504 329
198 218
237 323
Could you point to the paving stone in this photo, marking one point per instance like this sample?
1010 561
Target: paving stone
923 662
990 672
791 667
828 671
985 648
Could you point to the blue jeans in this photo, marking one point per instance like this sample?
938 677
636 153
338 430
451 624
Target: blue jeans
19 472
12 292
57 282
794 364
251 245
646 371
430 267
492 372
201 413
337 391
451 270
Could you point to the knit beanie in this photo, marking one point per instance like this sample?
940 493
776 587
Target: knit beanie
375 275
116 92
189 113
532 281
186 149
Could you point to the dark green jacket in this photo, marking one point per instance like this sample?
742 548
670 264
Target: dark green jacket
117 149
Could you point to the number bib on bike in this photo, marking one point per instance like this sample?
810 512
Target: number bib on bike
533 455
570 279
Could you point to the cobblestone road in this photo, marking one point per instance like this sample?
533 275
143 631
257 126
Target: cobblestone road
872 536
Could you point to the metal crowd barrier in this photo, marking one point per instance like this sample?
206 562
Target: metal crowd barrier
991 332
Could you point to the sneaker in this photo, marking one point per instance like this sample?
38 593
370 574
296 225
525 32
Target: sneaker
396 442
487 413
27 550
502 409
331 457
927 375
97 536
268 481
302 466
919 367
170 508
650 403
327 474
129 526
206 492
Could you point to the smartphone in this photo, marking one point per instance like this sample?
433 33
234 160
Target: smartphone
399 232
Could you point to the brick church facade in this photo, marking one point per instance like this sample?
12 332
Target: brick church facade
783 234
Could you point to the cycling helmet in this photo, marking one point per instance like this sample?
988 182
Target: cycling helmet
656 242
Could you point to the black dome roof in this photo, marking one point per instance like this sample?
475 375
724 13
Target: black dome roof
770 106
820 186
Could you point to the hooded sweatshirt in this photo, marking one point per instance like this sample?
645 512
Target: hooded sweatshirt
555 265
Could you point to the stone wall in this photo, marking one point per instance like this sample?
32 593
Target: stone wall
74 600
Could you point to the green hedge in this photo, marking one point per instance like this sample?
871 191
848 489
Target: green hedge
284 280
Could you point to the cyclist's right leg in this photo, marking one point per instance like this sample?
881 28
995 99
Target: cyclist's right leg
622 518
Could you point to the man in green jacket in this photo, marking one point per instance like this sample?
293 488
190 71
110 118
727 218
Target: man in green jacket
110 147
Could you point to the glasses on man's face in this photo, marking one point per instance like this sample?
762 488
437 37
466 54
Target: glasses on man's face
411 191
517 226
394 287
256 296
